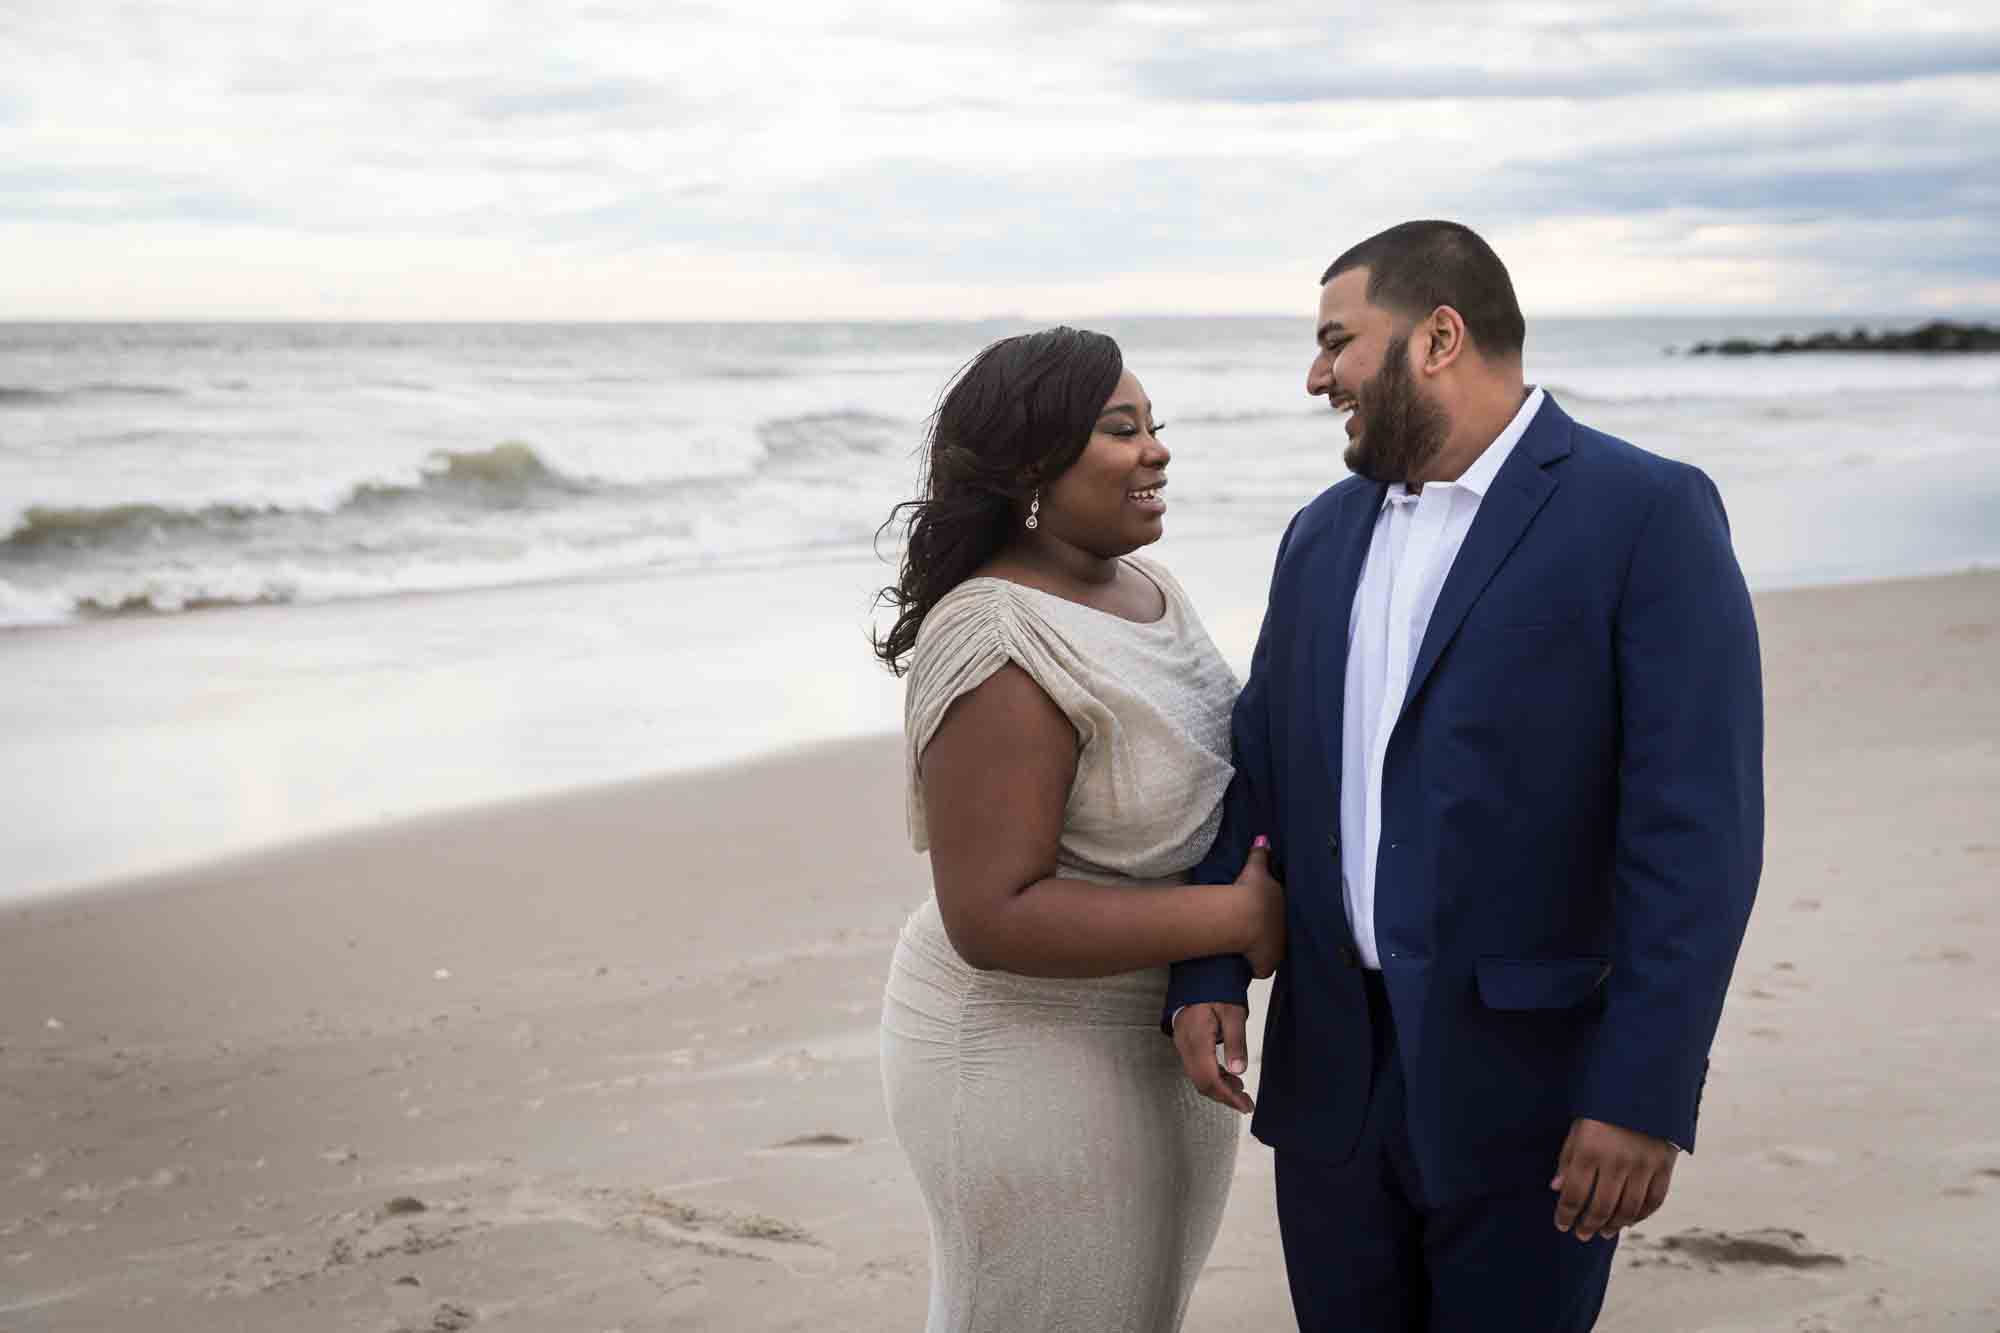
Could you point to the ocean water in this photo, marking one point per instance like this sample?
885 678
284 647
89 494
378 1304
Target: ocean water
151 469
264 582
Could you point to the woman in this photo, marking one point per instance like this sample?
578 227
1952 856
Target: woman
1067 724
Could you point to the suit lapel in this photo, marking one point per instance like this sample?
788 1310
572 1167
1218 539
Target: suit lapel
1510 505
1335 577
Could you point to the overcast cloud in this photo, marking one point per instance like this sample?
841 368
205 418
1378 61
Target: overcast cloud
617 159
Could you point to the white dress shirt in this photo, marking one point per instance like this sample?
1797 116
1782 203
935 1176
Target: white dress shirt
1416 539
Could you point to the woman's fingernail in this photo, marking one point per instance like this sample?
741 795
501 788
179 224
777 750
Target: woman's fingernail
1262 842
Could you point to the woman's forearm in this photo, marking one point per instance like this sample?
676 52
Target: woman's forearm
1058 927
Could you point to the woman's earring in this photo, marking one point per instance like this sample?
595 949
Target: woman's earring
1035 510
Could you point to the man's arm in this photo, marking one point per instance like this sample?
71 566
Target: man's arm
1215 991
1208 999
1247 814
1688 852
1224 978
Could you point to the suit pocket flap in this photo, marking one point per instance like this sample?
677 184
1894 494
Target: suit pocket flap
1539 983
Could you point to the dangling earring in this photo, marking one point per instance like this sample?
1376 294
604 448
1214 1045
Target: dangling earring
1035 510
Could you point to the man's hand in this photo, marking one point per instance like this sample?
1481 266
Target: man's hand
1198 1030
1621 1174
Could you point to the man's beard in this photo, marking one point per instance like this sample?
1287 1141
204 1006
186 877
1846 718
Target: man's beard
1401 430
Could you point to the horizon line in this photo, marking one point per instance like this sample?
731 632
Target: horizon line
1951 313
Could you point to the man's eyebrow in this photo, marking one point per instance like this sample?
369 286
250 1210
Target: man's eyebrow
1331 327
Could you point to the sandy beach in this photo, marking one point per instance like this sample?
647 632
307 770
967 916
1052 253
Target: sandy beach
606 1060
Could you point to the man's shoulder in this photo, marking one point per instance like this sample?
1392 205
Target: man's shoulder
1600 459
1325 508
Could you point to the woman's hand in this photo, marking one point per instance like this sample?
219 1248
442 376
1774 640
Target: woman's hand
1263 909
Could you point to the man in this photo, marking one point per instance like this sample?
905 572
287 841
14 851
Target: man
1504 727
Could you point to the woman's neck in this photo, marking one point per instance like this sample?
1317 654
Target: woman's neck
1059 559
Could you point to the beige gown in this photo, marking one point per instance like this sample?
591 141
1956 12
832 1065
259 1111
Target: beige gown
1073 1178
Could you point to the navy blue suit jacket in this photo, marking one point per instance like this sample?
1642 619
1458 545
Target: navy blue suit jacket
1572 817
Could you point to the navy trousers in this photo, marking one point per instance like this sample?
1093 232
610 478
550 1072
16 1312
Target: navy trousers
1365 1253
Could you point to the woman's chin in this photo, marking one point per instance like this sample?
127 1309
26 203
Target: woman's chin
1128 539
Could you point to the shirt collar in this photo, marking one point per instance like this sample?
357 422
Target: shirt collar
1479 477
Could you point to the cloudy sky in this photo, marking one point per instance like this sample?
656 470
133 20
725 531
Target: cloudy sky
447 159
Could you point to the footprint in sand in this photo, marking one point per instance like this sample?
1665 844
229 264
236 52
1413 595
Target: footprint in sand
721 1234
447 1318
1773 1247
800 1064
1972 1191
880 1274
816 1145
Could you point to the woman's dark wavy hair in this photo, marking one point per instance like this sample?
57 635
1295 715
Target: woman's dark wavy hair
1013 418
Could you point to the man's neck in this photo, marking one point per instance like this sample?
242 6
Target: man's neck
1473 432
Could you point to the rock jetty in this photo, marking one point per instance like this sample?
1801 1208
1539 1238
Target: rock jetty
1937 336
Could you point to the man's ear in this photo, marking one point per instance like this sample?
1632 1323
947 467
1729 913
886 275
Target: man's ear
1444 339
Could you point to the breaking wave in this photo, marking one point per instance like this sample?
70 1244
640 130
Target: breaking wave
506 476
29 395
458 519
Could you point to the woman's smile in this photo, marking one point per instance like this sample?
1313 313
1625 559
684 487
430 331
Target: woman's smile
1149 498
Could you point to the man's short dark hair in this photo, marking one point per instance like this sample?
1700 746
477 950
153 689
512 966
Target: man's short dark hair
1415 267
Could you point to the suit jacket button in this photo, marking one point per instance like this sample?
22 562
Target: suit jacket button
1333 845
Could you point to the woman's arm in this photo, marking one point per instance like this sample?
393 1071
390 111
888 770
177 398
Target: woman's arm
996 780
